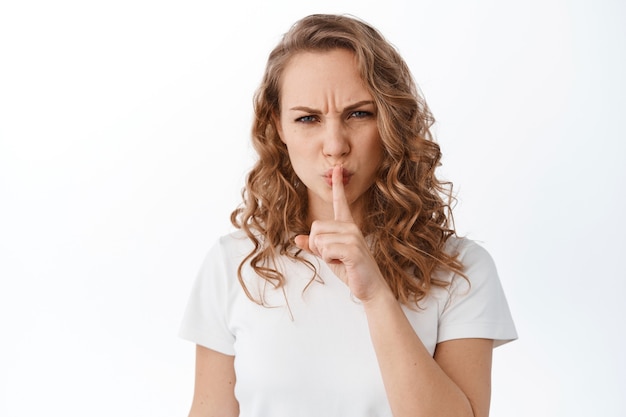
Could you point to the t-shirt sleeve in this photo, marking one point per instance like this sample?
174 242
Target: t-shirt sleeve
205 319
477 306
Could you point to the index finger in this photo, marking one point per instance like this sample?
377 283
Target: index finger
341 208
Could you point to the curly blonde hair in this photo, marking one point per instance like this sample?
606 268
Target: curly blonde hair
409 216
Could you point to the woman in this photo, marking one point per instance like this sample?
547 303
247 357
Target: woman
346 291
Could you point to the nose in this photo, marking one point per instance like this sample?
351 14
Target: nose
336 141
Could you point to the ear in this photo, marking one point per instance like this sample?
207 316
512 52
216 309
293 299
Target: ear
278 126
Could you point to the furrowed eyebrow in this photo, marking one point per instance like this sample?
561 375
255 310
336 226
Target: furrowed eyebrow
347 109
305 109
358 104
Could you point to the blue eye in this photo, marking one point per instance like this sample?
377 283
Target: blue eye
306 119
360 114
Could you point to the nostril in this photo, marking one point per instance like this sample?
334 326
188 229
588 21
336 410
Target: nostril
336 148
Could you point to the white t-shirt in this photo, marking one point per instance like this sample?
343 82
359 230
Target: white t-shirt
309 352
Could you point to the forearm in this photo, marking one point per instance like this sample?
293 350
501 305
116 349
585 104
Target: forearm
415 384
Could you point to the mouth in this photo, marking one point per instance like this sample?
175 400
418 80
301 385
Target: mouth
328 177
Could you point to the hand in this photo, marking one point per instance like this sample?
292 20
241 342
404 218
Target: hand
340 243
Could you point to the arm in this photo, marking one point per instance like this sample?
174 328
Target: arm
456 382
214 392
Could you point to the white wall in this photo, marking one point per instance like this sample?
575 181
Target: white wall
124 143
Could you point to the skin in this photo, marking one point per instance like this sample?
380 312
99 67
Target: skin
329 127
214 392
327 119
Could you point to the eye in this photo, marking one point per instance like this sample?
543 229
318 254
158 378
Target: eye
306 119
360 114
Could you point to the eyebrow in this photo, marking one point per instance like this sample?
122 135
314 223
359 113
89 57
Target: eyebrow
348 108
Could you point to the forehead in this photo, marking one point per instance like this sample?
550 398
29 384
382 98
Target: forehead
313 73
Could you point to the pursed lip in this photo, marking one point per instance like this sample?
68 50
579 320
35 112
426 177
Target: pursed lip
328 177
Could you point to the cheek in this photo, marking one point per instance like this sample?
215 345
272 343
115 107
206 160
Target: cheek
301 145
298 157
375 146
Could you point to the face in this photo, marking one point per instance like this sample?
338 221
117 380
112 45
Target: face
328 118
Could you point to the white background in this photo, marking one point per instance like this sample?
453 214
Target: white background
124 129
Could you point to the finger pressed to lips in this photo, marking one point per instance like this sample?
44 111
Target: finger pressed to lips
341 209
330 178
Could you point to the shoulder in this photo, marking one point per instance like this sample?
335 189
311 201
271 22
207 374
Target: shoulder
474 305
466 248
479 283
233 247
233 243
224 256
476 260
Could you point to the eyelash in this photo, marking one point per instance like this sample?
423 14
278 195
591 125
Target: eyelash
363 114
358 114
306 119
